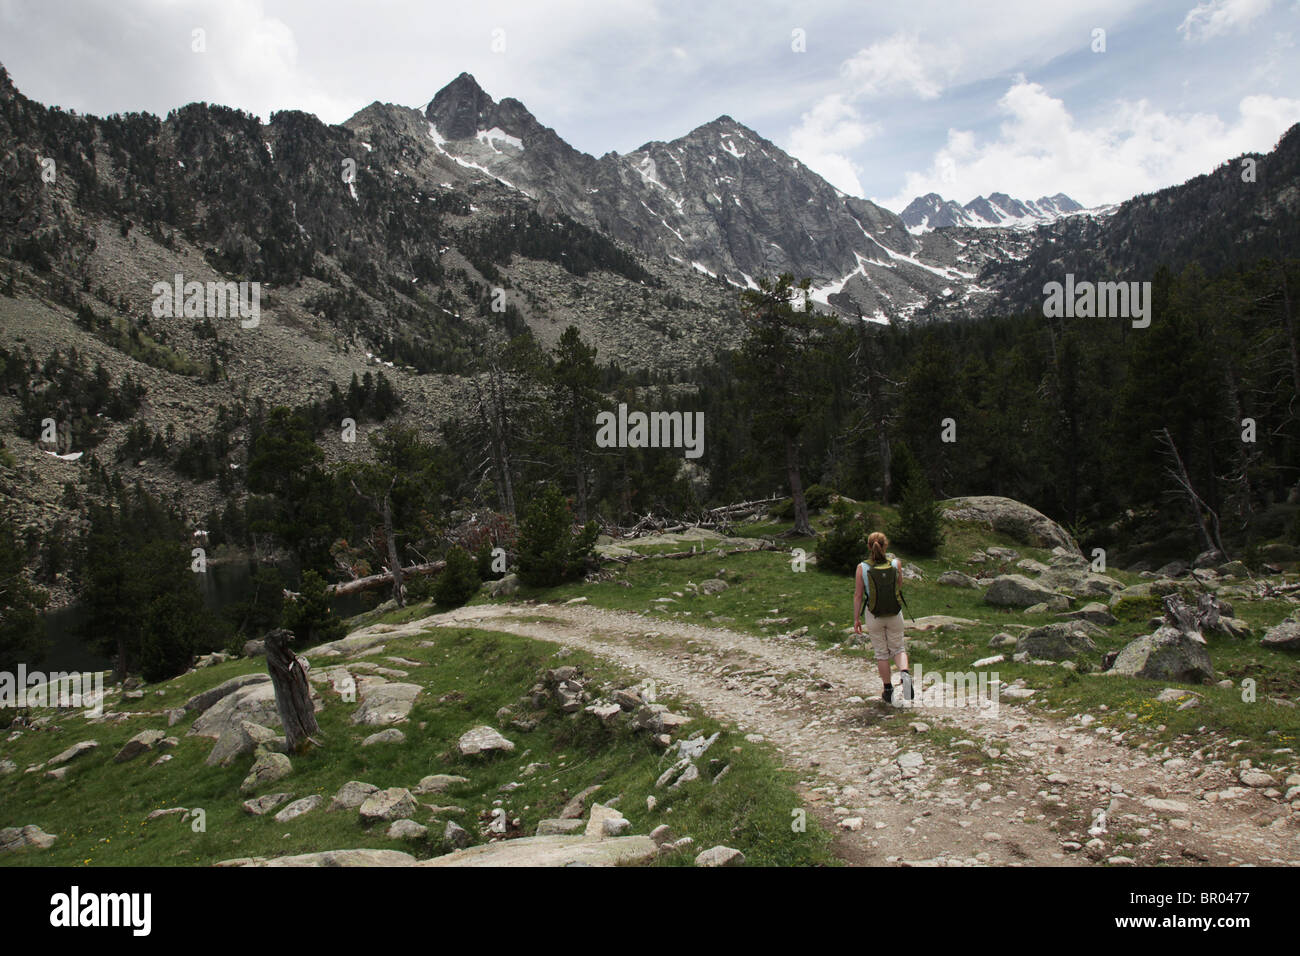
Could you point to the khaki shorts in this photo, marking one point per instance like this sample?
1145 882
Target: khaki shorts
886 635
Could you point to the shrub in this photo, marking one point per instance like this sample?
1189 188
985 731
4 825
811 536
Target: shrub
1138 607
817 497
549 552
483 563
459 580
418 588
845 542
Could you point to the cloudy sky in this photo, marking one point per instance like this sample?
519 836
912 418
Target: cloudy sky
887 100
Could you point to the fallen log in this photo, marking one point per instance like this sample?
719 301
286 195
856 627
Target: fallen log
372 581
625 558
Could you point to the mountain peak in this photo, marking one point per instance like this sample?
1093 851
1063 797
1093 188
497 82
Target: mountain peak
457 108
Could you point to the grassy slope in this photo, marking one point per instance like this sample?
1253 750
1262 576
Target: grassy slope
98 810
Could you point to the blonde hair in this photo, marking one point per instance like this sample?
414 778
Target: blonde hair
877 545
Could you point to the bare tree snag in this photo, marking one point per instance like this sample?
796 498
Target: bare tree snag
292 692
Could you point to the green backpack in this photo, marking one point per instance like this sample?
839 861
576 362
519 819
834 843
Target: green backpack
884 599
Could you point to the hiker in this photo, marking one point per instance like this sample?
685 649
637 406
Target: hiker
881 579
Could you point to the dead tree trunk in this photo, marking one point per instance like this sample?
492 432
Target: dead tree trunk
394 562
1184 481
1193 622
292 692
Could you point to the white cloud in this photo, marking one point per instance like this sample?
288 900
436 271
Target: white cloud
824 137
900 65
1040 149
1217 17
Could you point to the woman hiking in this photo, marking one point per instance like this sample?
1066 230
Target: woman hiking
881 579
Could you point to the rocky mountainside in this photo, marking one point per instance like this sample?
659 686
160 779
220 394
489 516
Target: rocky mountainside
375 254
721 199
932 211
1246 209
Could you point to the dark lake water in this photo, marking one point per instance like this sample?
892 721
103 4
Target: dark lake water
222 585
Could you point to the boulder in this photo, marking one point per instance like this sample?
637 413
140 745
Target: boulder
455 834
569 850
255 648
201 702
576 805
601 816
141 742
405 829
1013 518
298 808
713 586
390 736
1094 613
560 827
333 858
720 856
385 703
73 752
1283 636
391 804
264 804
352 794
1279 553
1057 603
1060 641
503 587
253 702
1167 654
438 782
1208 559
30 836
483 739
267 768
957 579
245 738
1016 590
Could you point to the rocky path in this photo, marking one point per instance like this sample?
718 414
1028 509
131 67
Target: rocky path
967 786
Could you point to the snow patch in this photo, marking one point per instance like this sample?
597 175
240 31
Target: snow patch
496 134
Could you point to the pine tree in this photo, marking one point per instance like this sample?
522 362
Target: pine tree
919 529
459 580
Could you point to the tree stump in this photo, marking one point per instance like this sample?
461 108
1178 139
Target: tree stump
292 692
1193 621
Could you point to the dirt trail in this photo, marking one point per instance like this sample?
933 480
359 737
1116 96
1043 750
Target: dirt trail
1015 786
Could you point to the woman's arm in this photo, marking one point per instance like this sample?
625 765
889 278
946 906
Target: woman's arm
857 601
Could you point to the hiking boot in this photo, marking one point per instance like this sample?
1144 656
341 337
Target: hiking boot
888 694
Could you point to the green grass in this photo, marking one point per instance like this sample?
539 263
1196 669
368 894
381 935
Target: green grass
97 812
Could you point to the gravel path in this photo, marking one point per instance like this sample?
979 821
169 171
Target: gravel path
969 786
